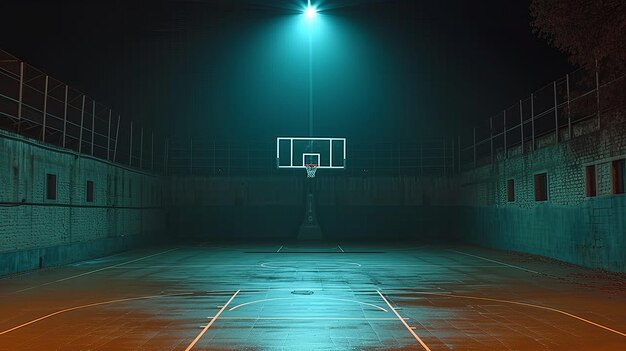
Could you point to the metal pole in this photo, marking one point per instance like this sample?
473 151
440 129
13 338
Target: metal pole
109 138
141 149
505 133
152 151
130 159
458 146
569 114
491 137
453 162
165 155
80 135
45 111
421 158
444 157
556 116
598 94
191 156
521 124
117 134
21 92
93 124
65 115
474 147
532 120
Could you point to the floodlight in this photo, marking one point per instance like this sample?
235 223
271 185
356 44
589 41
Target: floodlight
310 12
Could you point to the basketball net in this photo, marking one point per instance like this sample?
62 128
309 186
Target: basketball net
310 170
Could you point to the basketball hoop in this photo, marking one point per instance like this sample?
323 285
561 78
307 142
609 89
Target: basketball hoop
311 168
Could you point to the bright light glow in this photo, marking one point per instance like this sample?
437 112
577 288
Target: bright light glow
310 12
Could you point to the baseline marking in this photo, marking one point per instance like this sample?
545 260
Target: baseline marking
94 271
193 343
495 261
527 305
310 318
318 298
404 322
89 305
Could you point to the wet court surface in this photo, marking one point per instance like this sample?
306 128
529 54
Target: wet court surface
315 297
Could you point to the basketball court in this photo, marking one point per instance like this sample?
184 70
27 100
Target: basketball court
295 296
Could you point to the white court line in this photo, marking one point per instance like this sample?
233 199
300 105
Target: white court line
94 271
339 246
318 298
502 263
90 305
309 318
193 343
280 248
527 305
404 322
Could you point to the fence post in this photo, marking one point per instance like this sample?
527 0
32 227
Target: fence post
505 133
141 149
598 95
93 124
152 151
491 139
521 124
474 147
165 155
80 135
19 102
569 114
45 110
444 157
421 158
532 120
453 161
458 145
109 138
117 134
556 115
130 158
191 156
65 115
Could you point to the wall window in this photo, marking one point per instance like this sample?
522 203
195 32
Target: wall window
510 190
618 168
51 186
89 197
590 180
541 187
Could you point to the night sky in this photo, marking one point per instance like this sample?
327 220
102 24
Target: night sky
235 70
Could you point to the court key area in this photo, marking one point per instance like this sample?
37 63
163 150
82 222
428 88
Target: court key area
314 297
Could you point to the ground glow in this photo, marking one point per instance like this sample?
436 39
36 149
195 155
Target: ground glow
310 12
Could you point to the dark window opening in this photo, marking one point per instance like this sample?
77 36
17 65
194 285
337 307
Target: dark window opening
618 168
590 180
510 190
541 187
89 191
51 186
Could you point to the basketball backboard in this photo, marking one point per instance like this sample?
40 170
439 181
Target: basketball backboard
297 152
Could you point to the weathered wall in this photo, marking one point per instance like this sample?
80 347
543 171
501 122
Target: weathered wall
570 226
126 210
349 208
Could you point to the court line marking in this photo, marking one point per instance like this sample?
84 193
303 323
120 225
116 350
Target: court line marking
90 305
299 264
297 298
527 305
339 246
404 322
280 248
495 261
94 271
204 330
311 318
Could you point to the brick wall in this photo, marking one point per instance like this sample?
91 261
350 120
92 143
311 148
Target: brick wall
570 225
126 209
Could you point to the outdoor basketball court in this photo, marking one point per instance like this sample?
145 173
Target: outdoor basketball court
313 297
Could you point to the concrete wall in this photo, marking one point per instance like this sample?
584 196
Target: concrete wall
570 226
35 231
348 208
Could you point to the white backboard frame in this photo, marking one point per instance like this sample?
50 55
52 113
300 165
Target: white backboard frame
330 140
